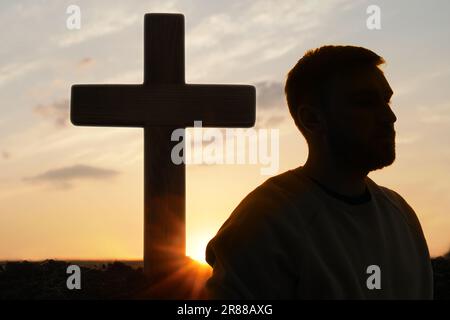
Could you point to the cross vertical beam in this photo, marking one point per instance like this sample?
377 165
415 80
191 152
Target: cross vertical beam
164 182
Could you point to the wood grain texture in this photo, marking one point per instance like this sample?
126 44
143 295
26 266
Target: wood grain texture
163 105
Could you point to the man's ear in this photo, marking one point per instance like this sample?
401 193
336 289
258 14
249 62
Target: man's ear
310 118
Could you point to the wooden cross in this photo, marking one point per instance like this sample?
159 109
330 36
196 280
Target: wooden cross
163 103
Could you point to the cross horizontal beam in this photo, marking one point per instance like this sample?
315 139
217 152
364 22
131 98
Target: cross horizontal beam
176 105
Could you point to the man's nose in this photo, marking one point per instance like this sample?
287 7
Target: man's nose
388 115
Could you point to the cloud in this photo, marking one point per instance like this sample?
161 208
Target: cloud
417 82
274 121
85 63
270 121
255 32
408 138
434 115
58 112
436 119
271 104
15 70
269 95
64 177
98 27
132 77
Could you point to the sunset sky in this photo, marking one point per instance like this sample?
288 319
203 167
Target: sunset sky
77 192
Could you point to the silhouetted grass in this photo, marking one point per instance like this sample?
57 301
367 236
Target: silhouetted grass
117 280
441 270
47 280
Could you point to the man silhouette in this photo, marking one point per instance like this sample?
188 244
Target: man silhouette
325 230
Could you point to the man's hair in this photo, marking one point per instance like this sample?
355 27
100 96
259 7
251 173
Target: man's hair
308 81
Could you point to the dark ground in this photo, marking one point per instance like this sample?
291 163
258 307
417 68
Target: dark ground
117 280
99 280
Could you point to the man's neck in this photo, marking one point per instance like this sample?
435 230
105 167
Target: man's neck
342 180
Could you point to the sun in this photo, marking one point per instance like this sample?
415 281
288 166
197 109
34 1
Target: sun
195 248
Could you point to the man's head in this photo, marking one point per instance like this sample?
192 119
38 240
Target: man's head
339 100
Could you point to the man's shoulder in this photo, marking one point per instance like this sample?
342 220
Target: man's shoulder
280 190
274 199
290 183
391 196
399 203
410 216
267 215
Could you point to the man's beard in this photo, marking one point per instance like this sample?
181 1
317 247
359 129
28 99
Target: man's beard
351 153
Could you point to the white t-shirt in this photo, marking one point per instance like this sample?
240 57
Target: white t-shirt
289 239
